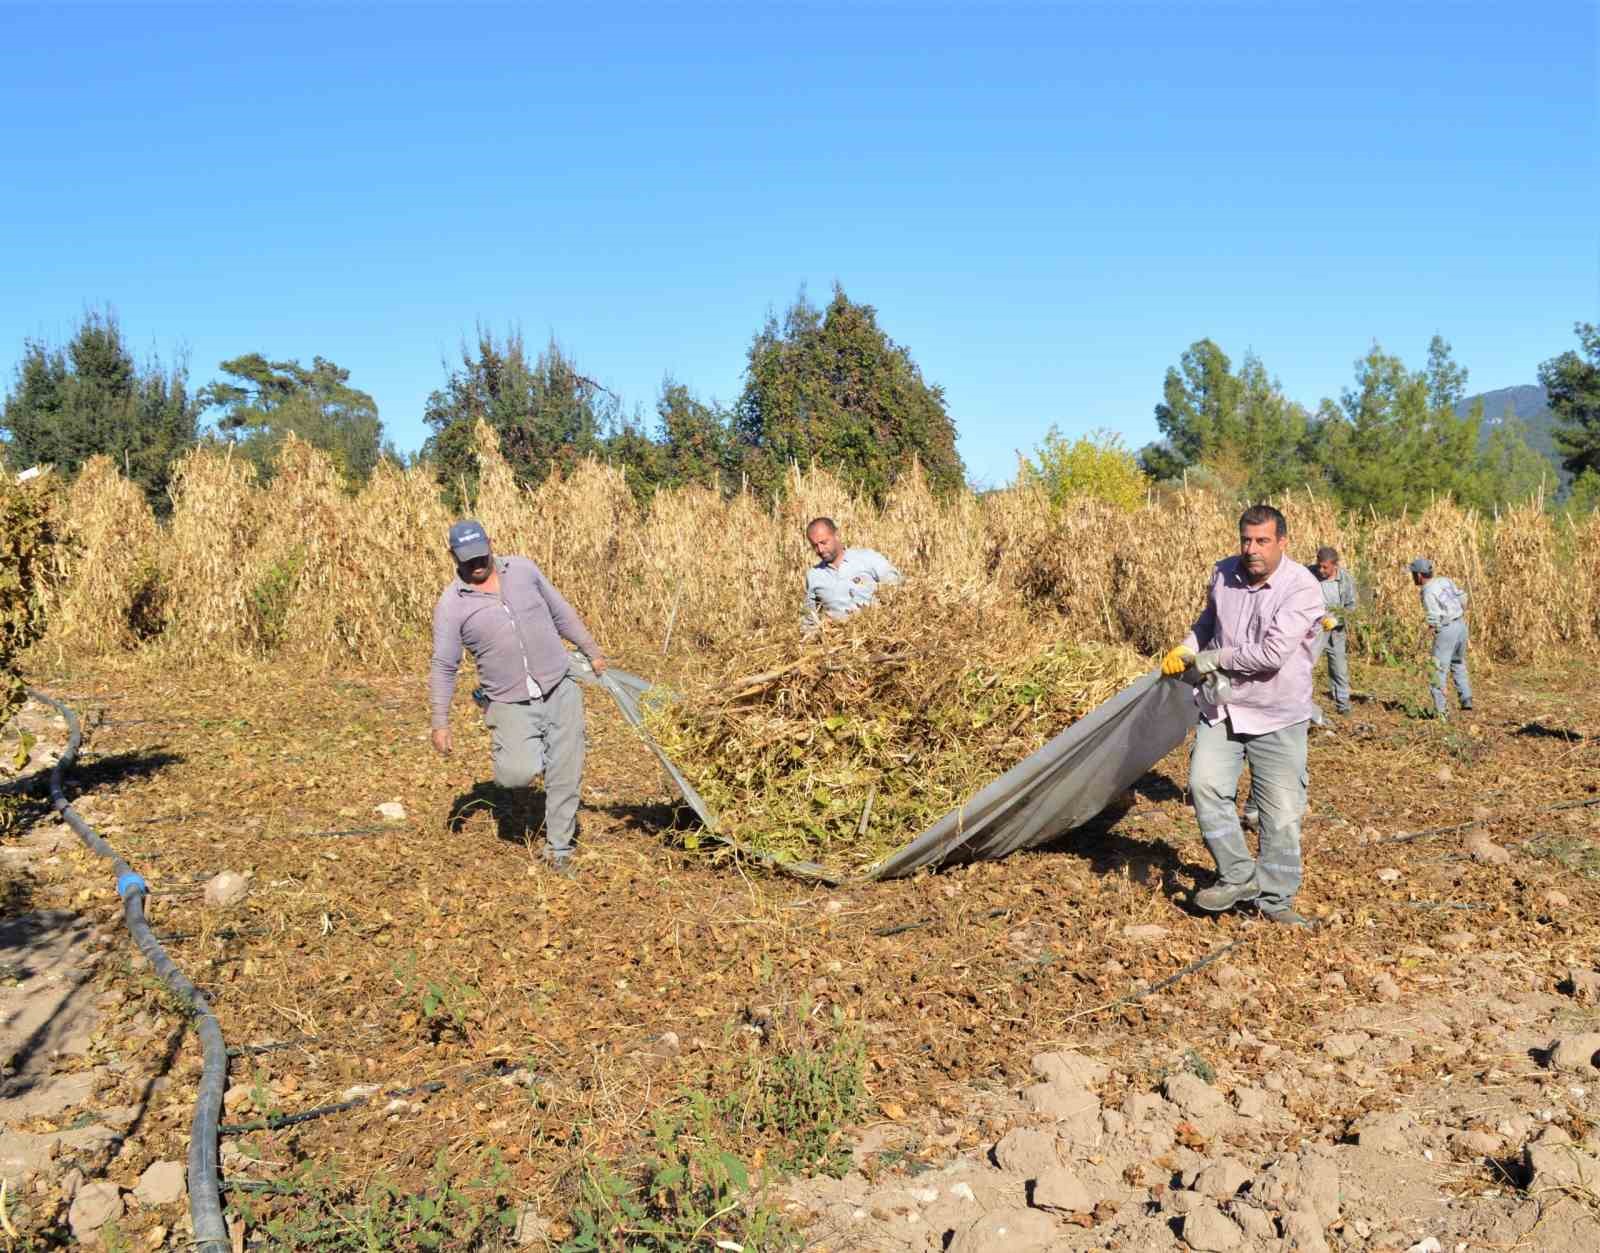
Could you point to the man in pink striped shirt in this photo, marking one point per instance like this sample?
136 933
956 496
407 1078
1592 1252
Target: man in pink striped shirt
1254 647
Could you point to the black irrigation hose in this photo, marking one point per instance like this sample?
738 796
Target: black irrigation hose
205 1189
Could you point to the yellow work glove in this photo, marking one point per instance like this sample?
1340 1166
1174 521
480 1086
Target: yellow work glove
1329 622
1177 661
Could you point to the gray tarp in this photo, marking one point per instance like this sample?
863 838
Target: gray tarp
1060 787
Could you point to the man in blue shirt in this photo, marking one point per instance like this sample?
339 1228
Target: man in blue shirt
844 579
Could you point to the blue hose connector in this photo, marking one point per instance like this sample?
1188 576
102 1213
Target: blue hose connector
130 882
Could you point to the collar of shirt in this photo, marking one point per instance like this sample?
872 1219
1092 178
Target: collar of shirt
462 588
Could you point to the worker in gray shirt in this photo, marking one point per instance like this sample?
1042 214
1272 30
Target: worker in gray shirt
1338 600
844 579
1445 605
505 612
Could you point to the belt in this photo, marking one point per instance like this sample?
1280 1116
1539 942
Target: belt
528 700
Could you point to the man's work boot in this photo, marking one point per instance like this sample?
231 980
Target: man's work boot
1221 896
561 862
1288 918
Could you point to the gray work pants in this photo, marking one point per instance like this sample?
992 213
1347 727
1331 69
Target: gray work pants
1278 782
1450 654
543 737
1333 643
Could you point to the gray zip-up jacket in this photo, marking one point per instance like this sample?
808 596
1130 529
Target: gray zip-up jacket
1442 601
514 637
1339 595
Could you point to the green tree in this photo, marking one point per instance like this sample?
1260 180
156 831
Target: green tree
697 441
1200 400
1510 468
266 400
547 414
67 404
830 386
1583 497
1395 439
1572 383
1238 426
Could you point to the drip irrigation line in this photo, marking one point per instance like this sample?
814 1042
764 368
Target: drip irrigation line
499 1066
886 932
205 1192
304 835
272 1046
1198 964
1412 836
189 817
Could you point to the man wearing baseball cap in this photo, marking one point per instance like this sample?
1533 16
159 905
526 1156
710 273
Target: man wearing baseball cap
1445 604
509 617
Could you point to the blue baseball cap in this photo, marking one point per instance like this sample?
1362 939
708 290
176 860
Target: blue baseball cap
468 541
1422 566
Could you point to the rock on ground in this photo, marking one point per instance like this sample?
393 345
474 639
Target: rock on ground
226 888
1014 1230
1560 1165
1059 1188
1207 1229
1027 1151
1575 1052
163 1183
95 1205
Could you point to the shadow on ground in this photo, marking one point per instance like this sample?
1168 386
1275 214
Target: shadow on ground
85 777
518 815
1540 731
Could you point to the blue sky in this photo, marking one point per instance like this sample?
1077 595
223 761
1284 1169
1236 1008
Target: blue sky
1045 202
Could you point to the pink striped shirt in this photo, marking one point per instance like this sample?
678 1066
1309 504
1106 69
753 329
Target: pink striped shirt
1266 635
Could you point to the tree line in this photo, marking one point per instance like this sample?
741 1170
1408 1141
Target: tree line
1396 436
824 384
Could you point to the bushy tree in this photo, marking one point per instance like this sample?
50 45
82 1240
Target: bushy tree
828 385
1510 469
547 414
697 441
1395 439
1199 407
1096 466
266 400
1237 425
1572 383
67 404
1583 497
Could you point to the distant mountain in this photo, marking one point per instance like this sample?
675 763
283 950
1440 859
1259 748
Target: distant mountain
1529 404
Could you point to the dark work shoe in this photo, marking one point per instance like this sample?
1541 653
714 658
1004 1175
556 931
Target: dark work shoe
1288 918
1342 710
1221 896
1466 709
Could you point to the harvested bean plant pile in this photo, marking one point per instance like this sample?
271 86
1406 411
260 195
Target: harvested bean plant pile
839 746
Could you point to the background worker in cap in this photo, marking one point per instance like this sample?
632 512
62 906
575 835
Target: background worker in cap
506 613
1445 604
844 579
1338 599
1257 632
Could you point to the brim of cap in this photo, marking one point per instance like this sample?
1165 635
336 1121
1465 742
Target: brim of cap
471 550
